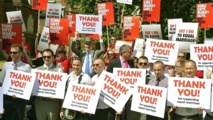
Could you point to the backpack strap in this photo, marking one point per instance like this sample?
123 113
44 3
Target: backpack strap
79 79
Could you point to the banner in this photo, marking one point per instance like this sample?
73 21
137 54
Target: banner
114 93
11 34
119 43
151 31
53 11
49 84
151 11
16 17
91 24
1 100
131 28
106 9
202 54
150 100
129 2
138 47
39 4
18 83
72 24
189 92
130 76
43 42
59 28
82 98
172 27
162 50
204 13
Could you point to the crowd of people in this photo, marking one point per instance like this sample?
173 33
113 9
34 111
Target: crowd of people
84 66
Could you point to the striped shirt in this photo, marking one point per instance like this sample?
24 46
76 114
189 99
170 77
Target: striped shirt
162 83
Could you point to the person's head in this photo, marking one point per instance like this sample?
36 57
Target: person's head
77 65
98 65
48 56
23 38
181 56
111 54
113 39
179 67
61 47
135 59
16 51
125 51
88 44
143 62
78 45
190 68
159 69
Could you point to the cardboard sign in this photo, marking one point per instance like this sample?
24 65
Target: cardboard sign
138 48
119 43
204 13
11 34
129 2
72 24
107 10
91 24
114 93
43 42
18 83
130 76
202 54
151 11
152 31
131 28
49 84
185 34
211 93
162 50
189 92
172 27
150 100
1 100
53 11
16 17
39 4
59 31
82 98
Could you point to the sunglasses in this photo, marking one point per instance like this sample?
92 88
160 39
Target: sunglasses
142 64
14 53
97 65
46 57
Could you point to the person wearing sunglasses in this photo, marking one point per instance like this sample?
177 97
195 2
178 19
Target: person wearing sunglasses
14 108
143 63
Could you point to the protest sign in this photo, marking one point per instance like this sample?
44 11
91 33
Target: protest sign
106 9
130 76
72 19
211 93
43 42
16 18
82 98
151 11
151 31
189 92
162 50
59 29
125 1
114 93
204 13
53 11
185 34
138 47
172 27
93 36
49 84
1 100
39 4
91 24
202 54
131 29
119 43
18 83
208 41
11 34
149 100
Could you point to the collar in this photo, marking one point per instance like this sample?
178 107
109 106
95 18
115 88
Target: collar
121 59
50 66
18 63
161 78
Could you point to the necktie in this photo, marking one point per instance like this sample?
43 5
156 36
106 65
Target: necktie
125 64
87 71
158 80
15 66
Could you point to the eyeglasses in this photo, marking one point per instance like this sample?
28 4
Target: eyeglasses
142 64
46 57
14 53
61 52
97 65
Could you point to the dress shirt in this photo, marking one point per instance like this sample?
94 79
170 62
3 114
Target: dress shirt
86 80
122 62
163 82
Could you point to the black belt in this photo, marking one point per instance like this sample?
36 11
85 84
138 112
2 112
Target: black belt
188 117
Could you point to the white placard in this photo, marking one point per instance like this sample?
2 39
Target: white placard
82 98
138 47
1 100
152 31
18 83
49 84
208 41
172 26
53 11
129 2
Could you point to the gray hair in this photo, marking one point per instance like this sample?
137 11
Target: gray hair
124 48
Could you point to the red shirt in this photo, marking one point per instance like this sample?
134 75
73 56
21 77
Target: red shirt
63 64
